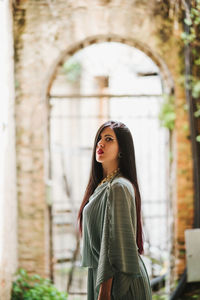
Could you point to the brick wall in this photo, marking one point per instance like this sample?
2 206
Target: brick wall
184 209
47 31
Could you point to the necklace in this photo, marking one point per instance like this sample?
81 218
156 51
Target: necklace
109 176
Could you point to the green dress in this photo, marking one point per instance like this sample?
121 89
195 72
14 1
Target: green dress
109 246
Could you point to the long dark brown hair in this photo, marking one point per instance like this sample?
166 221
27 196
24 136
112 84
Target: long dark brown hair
127 167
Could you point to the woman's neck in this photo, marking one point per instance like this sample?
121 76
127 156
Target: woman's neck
109 169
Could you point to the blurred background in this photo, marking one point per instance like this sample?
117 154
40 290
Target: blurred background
66 68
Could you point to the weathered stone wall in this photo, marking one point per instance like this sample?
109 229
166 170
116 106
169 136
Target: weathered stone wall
8 199
47 31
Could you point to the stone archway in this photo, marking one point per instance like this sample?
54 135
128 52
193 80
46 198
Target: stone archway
165 73
72 49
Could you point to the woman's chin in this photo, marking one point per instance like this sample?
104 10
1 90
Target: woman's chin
99 159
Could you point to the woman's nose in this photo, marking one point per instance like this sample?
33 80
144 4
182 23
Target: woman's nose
100 144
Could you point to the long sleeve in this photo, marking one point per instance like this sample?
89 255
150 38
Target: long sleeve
119 251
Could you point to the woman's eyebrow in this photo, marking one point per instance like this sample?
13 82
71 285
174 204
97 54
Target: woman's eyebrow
107 135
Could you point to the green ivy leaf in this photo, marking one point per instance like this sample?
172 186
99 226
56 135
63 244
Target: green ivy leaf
195 12
197 113
197 21
188 21
198 138
196 89
197 61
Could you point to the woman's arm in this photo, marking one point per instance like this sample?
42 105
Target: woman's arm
105 290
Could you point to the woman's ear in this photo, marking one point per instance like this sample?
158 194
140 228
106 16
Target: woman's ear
120 155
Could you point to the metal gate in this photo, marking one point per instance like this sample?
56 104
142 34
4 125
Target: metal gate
74 120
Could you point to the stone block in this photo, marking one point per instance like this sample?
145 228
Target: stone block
192 239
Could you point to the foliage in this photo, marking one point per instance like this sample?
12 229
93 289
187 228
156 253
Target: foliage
34 287
190 37
72 68
191 295
159 297
167 114
197 115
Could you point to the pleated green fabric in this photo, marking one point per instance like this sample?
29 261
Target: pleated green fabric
109 246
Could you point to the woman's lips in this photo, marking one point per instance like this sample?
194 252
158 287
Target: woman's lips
100 151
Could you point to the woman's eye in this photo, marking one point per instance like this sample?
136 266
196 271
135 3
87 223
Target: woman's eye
108 139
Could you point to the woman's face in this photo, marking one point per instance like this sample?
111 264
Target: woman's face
107 148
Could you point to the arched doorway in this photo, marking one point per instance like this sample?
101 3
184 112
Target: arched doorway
87 90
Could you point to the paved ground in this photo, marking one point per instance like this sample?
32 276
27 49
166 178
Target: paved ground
77 297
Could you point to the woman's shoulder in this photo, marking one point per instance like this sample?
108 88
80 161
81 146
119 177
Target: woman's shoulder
122 182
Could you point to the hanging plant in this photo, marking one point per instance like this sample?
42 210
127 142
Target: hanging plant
72 69
167 113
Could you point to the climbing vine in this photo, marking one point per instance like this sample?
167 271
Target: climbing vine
192 37
167 113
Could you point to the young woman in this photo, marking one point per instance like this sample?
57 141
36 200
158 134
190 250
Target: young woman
110 220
